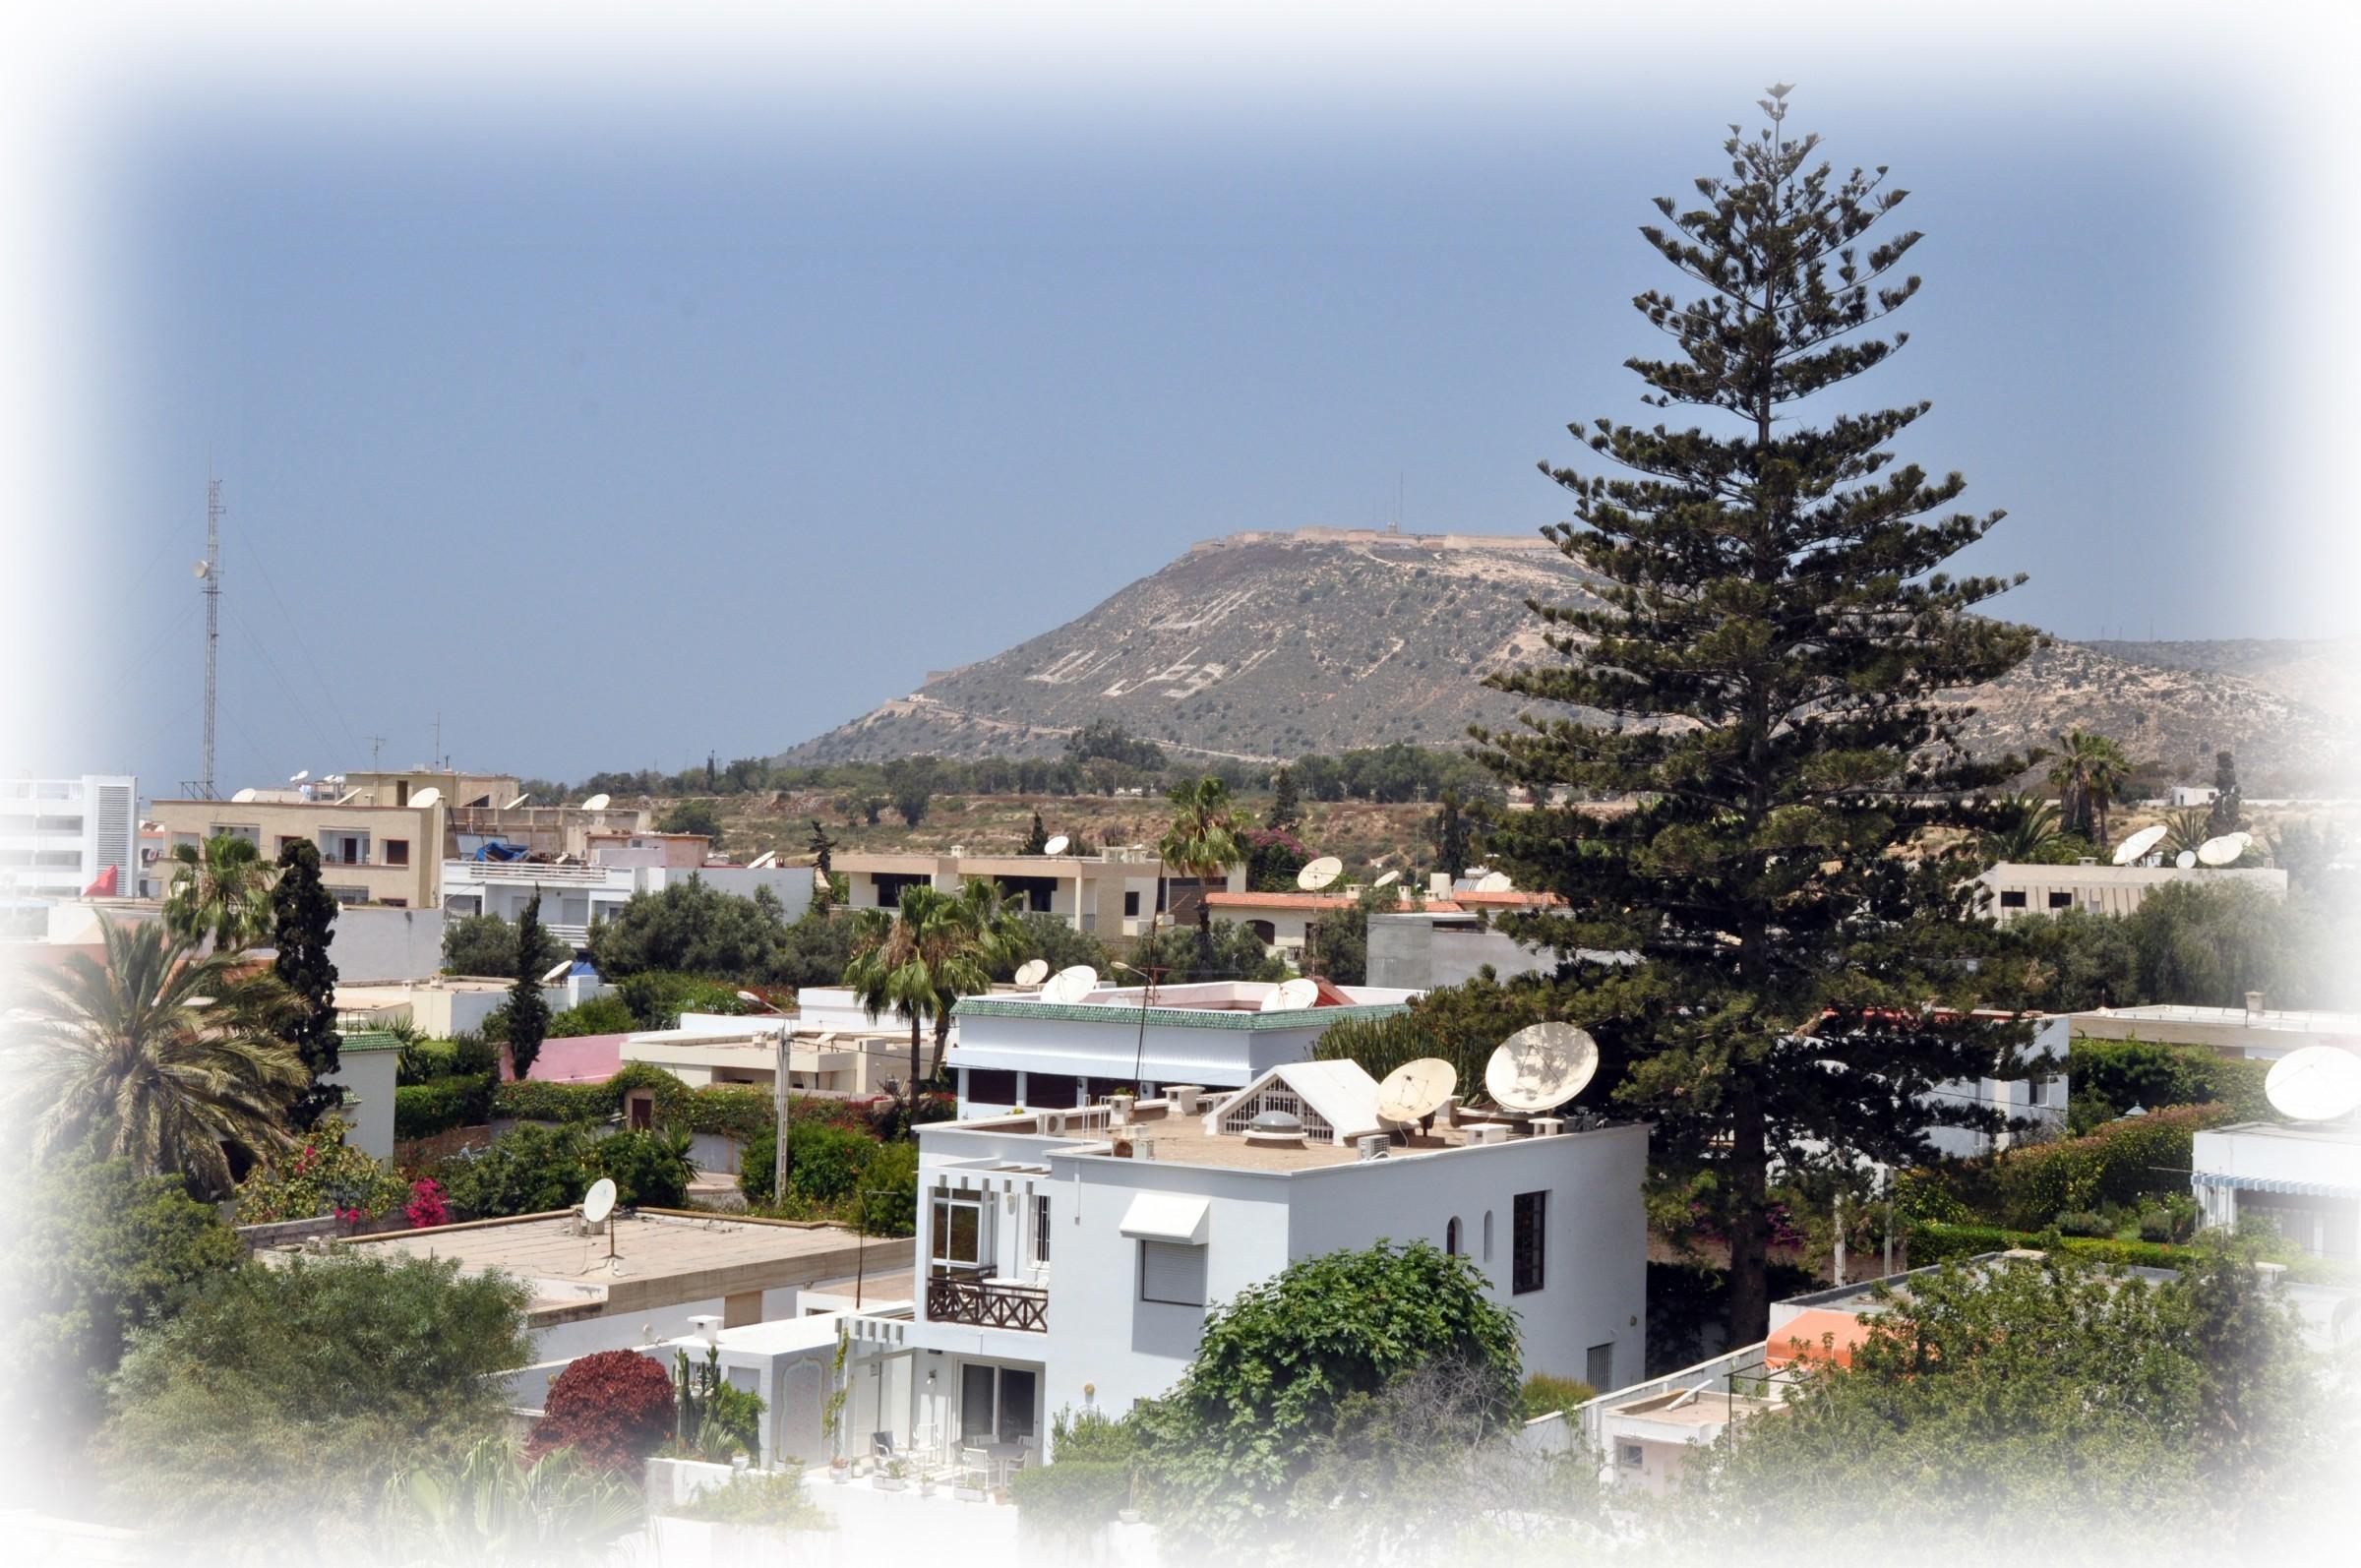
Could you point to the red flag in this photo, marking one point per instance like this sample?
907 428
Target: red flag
102 885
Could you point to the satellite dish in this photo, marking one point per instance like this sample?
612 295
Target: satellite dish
300 775
1495 882
1071 985
518 801
2139 844
2185 859
1032 970
2319 1083
202 570
769 858
426 797
1057 844
1290 996
1541 1067
1320 874
557 971
242 796
1387 880
597 803
2244 839
1416 1089
599 1201
2220 850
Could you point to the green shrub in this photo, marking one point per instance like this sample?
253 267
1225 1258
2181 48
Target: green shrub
527 1170
656 998
825 1162
1071 1498
774 1497
2124 1162
2111 1076
422 1110
650 1169
533 1101
891 1181
474 1057
1543 1395
600 1015
2155 1225
424 1061
323 1174
729 1110
2083 1223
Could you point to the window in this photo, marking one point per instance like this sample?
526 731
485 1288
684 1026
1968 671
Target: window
1527 1246
1264 932
1451 1238
1040 1228
1171 1272
1131 904
1629 1454
2061 900
1488 1236
991 1086
958 1229
398 852
57 825
1599 1367
349 895
2011 898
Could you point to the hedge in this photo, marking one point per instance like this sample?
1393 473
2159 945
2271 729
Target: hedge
728 1109
2110 1076
1073 1497
1933 1244
422 1110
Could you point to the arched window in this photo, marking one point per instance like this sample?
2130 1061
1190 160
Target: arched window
1488 1236
1264 932
1451 1237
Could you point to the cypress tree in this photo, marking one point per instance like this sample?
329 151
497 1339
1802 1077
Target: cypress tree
303 914
1037 843
823 861
2228 812
1449 831
1287 804
529 1009
1760 677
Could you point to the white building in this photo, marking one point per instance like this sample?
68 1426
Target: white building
1071 1257
2039 1103
367 1069
2304 1179
60 836
2253 1032
2013 888
1014 1049
701 1054
573 898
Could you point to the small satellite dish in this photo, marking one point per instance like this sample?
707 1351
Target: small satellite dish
1320 874
769 858
299 775
1541 1067
2319 1083
518 801
1495 882
2220 850
1032 970
1071 985
2244 840
599 1201
2139 844
557 971
202 570
1290 996
1387 880
1416 1089
242 796
2185 859
426 797
1058 845
597 803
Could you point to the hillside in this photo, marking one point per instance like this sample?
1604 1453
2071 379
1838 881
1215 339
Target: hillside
1270 645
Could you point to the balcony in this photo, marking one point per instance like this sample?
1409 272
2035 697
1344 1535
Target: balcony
973 1297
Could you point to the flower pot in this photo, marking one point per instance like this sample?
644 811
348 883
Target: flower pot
1127 1516
887 1483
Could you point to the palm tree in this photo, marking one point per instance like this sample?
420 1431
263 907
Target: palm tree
2030 828
1205 840
2089 771
996 933
221 891
160 1055
918 962
2187 828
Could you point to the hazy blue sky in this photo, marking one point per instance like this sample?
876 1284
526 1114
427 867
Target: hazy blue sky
628 433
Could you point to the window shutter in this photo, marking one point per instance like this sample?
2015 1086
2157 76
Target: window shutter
1171 1272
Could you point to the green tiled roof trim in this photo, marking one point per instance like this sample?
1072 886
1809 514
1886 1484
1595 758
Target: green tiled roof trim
369 1039
1166 1017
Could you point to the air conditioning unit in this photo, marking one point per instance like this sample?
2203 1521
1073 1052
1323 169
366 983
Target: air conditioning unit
1373 1147
1053 1122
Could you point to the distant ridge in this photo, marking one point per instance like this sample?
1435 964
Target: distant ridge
1265 645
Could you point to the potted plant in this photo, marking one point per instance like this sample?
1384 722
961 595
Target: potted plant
892 1475
926 1484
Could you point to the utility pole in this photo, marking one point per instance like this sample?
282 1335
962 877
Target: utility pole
377 746
208 579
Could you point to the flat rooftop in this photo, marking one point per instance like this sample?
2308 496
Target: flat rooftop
2318 1023
1183 1140
659 1259
1695 1408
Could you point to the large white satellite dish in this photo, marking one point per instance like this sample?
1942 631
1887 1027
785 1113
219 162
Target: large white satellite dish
2243 839
242 796
1416 1089
426 797
299 775
1071 985
518 801
597 803
1290 996
1057 844
599 1201
1495 882
2185 859
1320 874
1032 970
765 861
557 971
2319 1083
2139 844
2220 850
1541 1067
1387 880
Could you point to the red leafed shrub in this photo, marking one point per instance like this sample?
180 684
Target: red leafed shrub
612 1408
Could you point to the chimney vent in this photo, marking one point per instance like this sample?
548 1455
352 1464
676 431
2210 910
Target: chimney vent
1181 1099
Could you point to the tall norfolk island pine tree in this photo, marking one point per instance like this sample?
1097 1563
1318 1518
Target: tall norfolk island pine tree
303 914
1760 675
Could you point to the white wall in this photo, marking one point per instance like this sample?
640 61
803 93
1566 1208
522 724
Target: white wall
373 943
369 1077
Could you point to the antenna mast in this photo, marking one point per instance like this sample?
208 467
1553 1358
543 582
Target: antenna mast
208 575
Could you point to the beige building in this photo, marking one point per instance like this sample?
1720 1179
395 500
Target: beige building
368 854
548 830
2015 889
1113 894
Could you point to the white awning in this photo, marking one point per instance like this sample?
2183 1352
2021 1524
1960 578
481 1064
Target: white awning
1167 1217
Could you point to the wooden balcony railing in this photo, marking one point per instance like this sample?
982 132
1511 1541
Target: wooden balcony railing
981 1301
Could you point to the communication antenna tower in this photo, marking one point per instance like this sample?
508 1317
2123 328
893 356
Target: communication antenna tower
377 746
209 583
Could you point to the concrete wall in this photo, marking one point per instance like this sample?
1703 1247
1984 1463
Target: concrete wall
368 1078
1421 952
375 942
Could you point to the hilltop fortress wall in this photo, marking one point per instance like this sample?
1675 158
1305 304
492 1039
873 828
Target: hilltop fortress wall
1378 536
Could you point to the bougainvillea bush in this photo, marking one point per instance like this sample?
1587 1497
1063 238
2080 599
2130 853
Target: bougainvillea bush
612 1408
426 1206
322 1174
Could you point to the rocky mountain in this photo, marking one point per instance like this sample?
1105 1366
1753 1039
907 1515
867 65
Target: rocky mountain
1268 646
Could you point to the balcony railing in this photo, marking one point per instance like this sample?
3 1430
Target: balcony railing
975 1299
